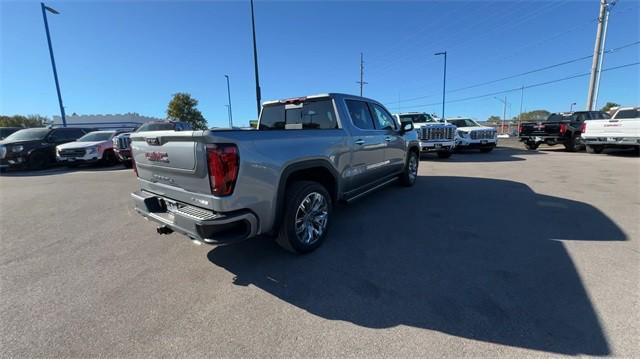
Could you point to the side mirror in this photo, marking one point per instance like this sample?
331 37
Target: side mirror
406 126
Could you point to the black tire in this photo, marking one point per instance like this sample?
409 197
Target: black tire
37 160
109 158
486 149
594 148
410 173
444 154
573 144
297 193
531 146
127 164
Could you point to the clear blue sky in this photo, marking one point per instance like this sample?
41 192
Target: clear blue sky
121 56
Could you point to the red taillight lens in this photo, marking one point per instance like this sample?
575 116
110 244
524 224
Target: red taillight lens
133 165
563 128
224 163
583 127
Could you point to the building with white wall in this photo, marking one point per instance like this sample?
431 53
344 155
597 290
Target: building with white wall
111 122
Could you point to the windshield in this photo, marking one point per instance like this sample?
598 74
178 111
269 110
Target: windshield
29 134
96 136
463 122
418 118
158 126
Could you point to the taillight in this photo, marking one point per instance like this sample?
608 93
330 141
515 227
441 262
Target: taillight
583 127
519 129
224 163
563 128
133 165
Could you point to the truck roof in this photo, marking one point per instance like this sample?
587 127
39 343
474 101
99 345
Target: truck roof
320 95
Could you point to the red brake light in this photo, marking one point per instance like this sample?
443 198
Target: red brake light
563 128
224 163
295 100
583 127
133 165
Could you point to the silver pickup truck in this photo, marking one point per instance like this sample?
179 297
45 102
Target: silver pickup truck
221 186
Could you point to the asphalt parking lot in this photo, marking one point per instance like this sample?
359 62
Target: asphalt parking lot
511 253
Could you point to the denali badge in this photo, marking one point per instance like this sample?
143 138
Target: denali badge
157 156
153 141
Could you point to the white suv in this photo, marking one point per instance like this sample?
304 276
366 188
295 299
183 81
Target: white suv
93 147
471 134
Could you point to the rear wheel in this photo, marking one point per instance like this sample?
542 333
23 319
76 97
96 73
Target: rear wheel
444 154
306 217
532 146
573 144
595 148
410 173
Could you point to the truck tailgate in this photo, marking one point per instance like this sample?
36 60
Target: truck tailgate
628 127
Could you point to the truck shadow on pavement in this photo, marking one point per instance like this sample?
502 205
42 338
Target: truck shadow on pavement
477 258
499 154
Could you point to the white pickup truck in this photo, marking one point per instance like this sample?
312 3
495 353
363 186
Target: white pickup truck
622 131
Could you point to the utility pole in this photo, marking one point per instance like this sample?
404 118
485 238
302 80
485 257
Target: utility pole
229 105
53 61
444 80
603 18
361 82
520 114
602 49
255 59
504 111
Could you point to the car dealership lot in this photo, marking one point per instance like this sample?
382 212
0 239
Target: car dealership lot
512 253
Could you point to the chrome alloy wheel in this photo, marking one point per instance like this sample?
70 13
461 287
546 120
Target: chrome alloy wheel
413 168
311 218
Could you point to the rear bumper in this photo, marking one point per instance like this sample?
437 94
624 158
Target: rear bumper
612 141
194 222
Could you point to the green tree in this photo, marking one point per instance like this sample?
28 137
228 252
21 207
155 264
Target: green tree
494 120
608 106
182 107
23 121
534 116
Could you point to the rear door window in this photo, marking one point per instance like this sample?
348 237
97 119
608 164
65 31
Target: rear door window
628 114
360 115
306 115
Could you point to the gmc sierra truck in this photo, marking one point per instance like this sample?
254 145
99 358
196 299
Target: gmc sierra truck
559 128
281 179
620 131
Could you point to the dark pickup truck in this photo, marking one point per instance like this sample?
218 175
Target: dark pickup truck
559 128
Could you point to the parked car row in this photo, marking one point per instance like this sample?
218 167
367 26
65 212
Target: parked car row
445 136
590 130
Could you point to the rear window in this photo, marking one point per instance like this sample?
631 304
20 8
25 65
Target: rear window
307 115
164 126
628 114
417 118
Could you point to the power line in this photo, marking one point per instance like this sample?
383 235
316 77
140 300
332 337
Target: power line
521 88
523 73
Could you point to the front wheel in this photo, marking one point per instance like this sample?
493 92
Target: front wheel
444 154
410 173
306 217
595 148
37 160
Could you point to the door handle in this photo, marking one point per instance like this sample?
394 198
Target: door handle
360 142
388 138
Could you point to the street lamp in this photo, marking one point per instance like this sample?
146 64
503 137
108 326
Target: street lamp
571 108
229 105
504 111
444 80
53 61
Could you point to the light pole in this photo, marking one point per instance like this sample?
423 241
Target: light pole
504 111
53 61
255 59
229 105
444 80
571 107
